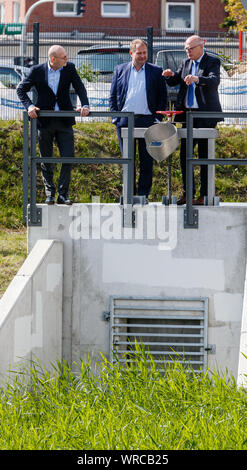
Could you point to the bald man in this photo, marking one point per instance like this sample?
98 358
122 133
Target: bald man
199 78
52 81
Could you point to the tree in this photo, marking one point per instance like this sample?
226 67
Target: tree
85 71
237 15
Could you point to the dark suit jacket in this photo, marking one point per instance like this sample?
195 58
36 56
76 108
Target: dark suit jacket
206 90
46 99
155 88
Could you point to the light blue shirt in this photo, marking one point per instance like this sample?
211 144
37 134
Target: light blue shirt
53 81
136 98
194 71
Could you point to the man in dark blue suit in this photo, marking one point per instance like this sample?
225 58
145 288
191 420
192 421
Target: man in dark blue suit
52 81
138 86
199 78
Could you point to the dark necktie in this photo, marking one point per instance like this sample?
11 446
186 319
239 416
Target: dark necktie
190 99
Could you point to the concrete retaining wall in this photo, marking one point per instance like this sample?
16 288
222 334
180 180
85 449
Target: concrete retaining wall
157 258
31 310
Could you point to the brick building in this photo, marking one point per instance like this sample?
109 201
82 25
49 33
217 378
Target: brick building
174 16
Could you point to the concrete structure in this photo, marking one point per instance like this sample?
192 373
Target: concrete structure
82 256
156 258
31 310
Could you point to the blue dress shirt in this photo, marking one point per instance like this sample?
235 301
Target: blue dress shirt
136 99
53 81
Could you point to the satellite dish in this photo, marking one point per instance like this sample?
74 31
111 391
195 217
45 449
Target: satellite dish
244 4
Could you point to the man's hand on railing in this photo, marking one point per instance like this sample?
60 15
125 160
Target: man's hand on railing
32 112
84 111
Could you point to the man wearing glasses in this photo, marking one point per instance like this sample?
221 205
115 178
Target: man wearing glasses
52 81
199 78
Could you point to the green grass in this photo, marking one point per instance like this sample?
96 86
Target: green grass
100 140
123 408
13 251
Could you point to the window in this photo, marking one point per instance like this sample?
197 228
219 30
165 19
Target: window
16 12
115 9
1 13
103 60
179 16
64 8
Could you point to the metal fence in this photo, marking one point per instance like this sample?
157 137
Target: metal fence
33 214
101 50
191 215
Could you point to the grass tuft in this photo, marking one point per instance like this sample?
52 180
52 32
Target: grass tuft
13 251
123 406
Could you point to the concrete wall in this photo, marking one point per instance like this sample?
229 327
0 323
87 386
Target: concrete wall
242 365
157 258
31 310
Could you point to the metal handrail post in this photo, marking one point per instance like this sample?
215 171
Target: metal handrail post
130 177
33 208
189 168
25 167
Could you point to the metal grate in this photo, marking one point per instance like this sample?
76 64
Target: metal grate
169 329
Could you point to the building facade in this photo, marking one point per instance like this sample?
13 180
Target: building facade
171 16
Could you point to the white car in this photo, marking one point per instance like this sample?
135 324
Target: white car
10 105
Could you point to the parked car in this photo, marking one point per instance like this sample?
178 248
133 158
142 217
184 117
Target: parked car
96 65
172 58
102 60
10 105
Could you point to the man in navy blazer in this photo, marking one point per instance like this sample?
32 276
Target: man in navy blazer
52 81
200 75
138 86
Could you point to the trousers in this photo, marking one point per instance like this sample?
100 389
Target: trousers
63 135
144 185
202 153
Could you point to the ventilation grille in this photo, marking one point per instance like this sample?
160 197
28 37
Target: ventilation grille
169 329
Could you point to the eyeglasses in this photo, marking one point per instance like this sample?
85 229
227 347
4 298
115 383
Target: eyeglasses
191 48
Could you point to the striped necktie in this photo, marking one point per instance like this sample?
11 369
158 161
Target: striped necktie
190 98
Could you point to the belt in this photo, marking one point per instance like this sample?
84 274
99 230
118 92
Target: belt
141 115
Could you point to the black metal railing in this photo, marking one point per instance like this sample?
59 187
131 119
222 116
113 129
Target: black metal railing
191 214
33 216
